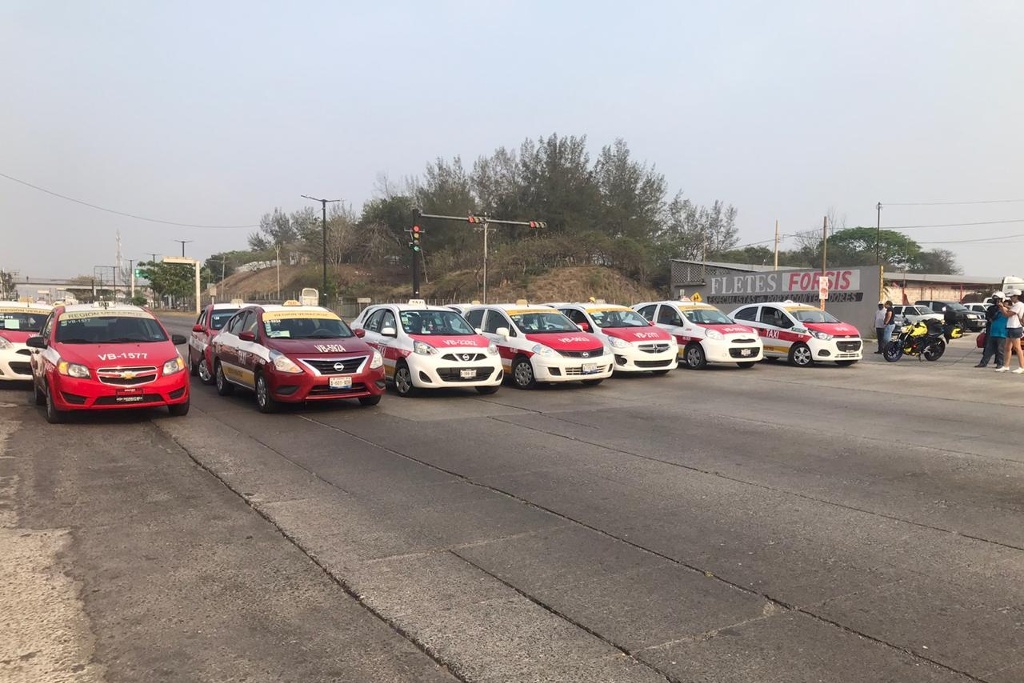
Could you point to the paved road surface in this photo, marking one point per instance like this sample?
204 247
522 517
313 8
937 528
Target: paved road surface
763 525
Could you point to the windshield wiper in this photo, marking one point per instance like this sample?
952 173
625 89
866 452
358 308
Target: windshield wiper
130 340
76 340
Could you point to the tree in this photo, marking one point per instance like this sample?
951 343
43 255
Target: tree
632 195
169 279
275 230
937 261
8 290
694 232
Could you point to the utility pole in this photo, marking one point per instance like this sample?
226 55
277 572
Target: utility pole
878 234
131 274
824 253
183 243
776 245
277 248
323 205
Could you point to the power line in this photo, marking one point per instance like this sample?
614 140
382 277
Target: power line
122 213
952 225
994 240
988 201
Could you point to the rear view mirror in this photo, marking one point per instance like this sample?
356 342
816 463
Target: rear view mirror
247 336
198 328
178 339
585 327
359 332
478 330
36 342
389 332
502 332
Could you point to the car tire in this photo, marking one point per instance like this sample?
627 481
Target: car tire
39 395
403 381
694 357
179 409
747 364
486 391
54 415
204 372
592 382
264 401
800 356
845 363
522 374
193 366
224 387
369 400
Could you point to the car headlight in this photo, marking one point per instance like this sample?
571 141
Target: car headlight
283 363
823 336
715 334
492 349
423 348
617 343
174 365
73 370
5 344
545 351
378 360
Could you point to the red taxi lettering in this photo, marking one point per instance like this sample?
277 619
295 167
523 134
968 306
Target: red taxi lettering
647 335
569 340
459 342
330 348
771 334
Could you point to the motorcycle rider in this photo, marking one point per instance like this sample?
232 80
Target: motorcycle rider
995 333
1014 312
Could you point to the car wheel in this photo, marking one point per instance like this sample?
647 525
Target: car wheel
694 357
369 400
179 409
40 395
204 372
486 391
403 381
193 366
264 401
845 363
747 364
54 415
593 382
224 388
522 374
800 355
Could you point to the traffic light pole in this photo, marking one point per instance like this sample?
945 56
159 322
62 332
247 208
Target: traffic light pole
485 223
414 234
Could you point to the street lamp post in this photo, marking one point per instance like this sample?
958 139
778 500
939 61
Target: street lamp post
323 205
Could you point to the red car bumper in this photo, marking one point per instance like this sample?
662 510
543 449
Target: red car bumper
70 393
295 388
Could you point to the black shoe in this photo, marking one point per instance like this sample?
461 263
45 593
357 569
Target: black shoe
877 352
981 365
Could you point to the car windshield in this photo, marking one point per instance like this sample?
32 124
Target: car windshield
532 322
221 316
22 321
112 328
299 327
434 322
617 318
810 315
706 316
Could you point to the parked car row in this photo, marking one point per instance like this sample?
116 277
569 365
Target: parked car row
102 356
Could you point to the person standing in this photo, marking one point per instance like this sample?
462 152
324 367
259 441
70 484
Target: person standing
889 321
1014 312
880 325
995 333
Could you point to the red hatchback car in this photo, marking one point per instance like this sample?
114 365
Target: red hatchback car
100 357
294 353
208 325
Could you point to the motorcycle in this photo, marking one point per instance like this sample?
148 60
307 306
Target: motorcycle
925 339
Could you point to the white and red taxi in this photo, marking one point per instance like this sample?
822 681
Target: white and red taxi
539 344
705 334
292 353
638 345
103 356
208 325
18 322
802 334
430 347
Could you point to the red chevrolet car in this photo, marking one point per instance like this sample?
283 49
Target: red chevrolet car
104 356
294 353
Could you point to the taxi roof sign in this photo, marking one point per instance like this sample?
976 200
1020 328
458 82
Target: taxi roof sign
292 302
417 302
522 302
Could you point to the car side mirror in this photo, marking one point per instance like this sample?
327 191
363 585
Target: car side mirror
36 342
247 336
389 332
502 332
198 328
478 330
359 332
178 339
584 326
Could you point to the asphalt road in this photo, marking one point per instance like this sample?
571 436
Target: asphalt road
766 525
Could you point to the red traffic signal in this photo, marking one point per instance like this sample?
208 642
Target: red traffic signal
475 219
538 224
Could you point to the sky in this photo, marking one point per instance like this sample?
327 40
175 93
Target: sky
212 113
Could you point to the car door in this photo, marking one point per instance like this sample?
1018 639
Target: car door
580 318
226 346
197 341
774 330
671 320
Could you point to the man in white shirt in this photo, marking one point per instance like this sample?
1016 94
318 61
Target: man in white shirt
1014 312
880 326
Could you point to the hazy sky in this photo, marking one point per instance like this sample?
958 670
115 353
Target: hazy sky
213 113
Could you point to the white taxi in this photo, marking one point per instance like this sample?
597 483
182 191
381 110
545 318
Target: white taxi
18 322
801 333
539 344
705 334
638 345
430 347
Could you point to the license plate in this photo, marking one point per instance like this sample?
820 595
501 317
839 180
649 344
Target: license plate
341 382
129 398
467 374
589 368
745 352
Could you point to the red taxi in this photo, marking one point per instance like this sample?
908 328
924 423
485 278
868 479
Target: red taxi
294 353
208 325
104 356
18 322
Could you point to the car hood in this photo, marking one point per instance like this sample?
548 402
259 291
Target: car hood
730 329
91 355
835 329
17 336
333 346
567 341
459 341
638 334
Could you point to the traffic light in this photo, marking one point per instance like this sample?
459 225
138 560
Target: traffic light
476 219
138 273
416 232
538 224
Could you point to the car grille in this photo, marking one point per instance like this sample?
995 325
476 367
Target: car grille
653 348
324 390
128 376
20 367
655 363
463 357
848 346
578 371
590 353
23 352
455 374
738 353
326 366
743 341
136 400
